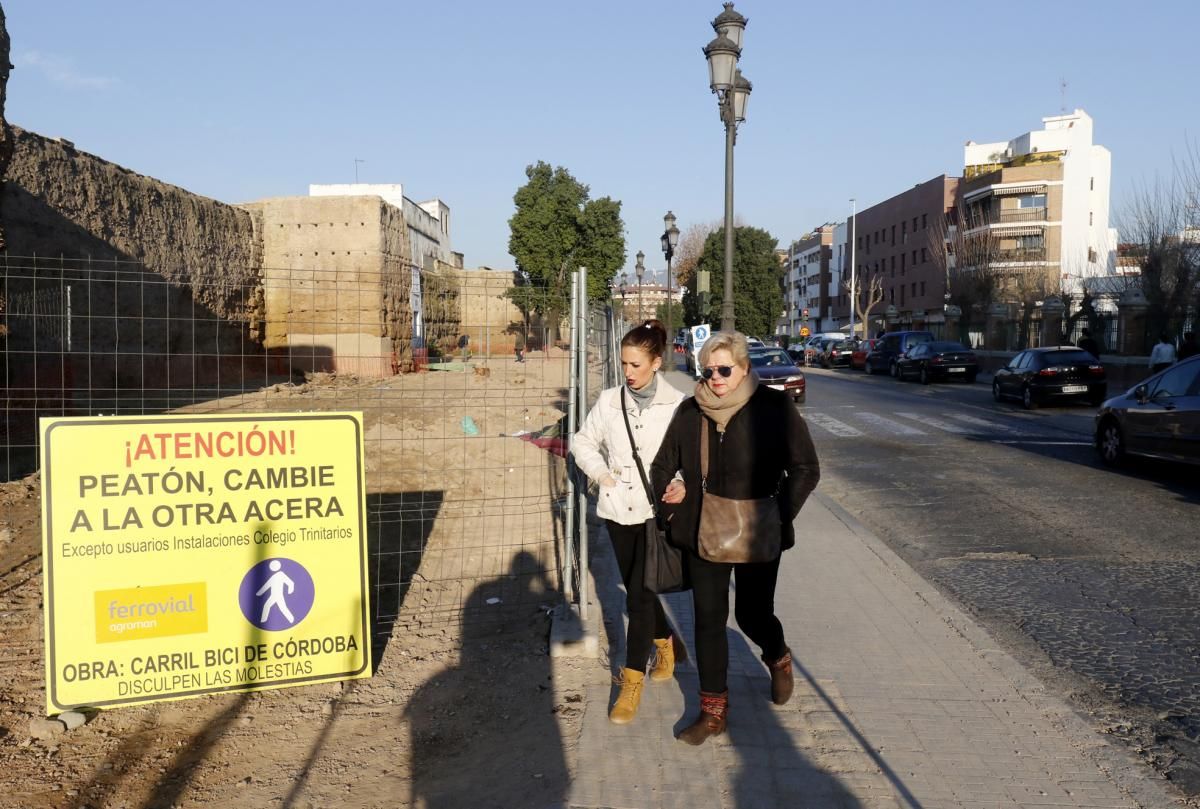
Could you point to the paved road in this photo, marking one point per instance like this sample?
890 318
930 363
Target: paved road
1089 576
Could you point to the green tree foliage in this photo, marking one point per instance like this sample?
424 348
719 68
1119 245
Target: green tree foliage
757 294
556 229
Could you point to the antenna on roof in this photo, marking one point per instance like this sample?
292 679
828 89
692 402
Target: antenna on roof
356 162
1062 89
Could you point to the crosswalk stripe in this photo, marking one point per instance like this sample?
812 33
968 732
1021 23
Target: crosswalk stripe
990 425
932 422
889 425
838 428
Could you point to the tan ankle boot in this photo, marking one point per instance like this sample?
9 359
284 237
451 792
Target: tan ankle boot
668 649
711 722
626 707
782 679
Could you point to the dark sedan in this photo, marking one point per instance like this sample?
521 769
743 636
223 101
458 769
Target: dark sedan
1160 418
932 361
838 353
777 370
1040 375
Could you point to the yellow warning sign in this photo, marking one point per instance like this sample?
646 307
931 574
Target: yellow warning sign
192 555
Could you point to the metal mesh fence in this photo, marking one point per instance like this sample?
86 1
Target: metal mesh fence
464 395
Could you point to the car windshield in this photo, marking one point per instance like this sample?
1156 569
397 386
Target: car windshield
941 348
1061 357
845 344
760 359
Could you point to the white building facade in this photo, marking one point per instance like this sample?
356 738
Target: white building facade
1070 176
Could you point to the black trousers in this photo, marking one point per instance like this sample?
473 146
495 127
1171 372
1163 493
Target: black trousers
647 620
754 610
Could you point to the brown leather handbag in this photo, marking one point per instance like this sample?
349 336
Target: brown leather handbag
735 531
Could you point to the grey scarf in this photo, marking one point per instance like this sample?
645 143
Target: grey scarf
645 396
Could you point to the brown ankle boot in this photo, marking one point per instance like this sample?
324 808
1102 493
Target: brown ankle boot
782 679
668 650
626 707
711 721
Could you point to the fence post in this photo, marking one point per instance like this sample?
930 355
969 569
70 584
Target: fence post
583 404
572 403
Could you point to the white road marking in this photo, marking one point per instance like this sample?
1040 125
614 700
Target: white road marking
830 424
887 424
932 422
990 425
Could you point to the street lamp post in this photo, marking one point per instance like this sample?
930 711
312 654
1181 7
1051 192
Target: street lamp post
733 92
853 266
670 238
640 269
622 288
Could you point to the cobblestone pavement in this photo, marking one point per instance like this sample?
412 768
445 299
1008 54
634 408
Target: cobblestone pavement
901 701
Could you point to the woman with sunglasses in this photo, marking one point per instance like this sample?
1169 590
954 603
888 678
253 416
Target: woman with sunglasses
743 495
643 408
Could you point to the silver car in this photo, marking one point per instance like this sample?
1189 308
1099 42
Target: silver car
1159 418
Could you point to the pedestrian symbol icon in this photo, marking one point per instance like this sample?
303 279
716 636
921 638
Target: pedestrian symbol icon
276 594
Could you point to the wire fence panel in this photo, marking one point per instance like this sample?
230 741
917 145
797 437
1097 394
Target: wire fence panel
463 394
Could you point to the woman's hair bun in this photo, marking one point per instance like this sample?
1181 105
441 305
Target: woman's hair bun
650 336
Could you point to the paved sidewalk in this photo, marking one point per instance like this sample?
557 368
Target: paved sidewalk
901 701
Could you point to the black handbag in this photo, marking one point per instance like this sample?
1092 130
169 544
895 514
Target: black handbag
663 567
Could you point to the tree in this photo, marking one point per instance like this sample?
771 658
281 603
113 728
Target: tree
1160 223
556 229
967 258
870 294
757 295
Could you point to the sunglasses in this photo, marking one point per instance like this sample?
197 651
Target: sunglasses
723 370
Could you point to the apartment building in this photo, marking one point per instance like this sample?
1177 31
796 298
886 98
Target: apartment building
892 246
1040 202
808 282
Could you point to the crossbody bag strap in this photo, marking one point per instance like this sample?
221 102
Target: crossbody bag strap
703 453
637 459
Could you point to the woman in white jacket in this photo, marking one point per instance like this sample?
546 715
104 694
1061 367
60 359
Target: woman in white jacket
601 449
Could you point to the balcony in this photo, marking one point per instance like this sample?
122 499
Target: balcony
1010 216
1021 255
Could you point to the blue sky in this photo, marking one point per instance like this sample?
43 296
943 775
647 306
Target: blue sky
243 100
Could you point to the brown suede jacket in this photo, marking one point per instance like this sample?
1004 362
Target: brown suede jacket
766 450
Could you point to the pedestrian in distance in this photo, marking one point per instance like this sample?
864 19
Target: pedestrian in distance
1188 348
1162 356
464 347
519 346
641 408
1088 343
748 464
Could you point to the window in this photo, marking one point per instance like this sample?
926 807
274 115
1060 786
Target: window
1031 201
1178 381
901 294
893 235
891 295
924 256
1092 257
1091 218
914 259
902 257
1092 184
1031 242
922 288
924 222
914 289
914 224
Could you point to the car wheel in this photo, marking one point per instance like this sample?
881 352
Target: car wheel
895 369
996 391
1028 399
924 375
1110 443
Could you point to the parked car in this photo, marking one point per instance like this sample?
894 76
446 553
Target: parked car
812 345
776 369
754 342
1159 418
796 352
889 347
1039 375
837 353
858 357
938 360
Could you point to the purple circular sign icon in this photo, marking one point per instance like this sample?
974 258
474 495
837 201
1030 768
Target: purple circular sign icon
276 594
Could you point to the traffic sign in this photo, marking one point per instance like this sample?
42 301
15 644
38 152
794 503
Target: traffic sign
804 331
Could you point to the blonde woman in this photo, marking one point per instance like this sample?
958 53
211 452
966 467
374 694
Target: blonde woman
602 450
743 495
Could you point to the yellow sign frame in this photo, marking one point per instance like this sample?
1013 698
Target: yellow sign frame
190 555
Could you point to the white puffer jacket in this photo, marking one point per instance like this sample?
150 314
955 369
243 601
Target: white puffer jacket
601 447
